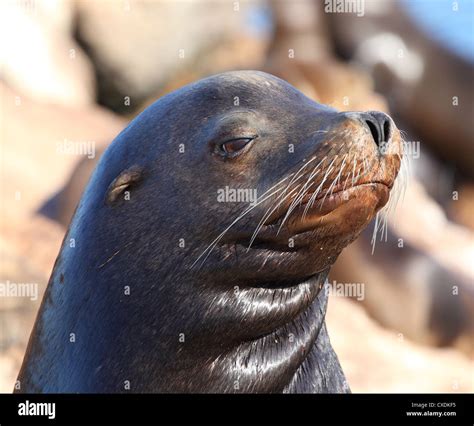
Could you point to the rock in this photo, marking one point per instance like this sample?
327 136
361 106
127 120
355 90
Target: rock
377 360
144 44
41 59
38 156
27 253
409 292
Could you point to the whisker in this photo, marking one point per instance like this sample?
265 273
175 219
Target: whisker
244 213
299 197
290 210
397 195
267 215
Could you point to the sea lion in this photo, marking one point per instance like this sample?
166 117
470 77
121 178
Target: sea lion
161 285
408 290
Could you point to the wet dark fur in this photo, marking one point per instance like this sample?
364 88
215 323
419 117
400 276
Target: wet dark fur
252 319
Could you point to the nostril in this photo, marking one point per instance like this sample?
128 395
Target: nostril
387 130
374 131
383 125
378 123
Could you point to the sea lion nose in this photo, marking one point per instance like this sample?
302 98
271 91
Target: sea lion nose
379 124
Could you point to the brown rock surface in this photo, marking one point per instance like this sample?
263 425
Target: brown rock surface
27 253
41 57
377 360
33 164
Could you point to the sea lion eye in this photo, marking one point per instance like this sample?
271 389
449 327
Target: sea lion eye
234 146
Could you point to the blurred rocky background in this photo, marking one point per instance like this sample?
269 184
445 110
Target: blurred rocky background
75 72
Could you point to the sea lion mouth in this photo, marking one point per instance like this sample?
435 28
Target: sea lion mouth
329 209
313 210
339 208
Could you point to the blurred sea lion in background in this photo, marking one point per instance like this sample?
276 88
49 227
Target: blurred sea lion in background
301 53
407 64
429 303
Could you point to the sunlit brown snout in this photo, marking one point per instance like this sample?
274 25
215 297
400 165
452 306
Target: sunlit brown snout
377 143
358 172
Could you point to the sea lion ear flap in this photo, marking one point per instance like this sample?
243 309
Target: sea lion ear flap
126 179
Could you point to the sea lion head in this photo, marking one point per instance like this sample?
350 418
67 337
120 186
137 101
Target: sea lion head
297 180
253 173
221 207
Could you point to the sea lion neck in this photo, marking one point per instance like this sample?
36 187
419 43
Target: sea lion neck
298 356
264 339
